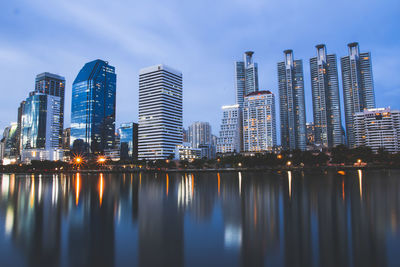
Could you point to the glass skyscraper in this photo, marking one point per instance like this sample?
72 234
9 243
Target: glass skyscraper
160 112
246 77
52 84
325 99
128 133
93 108
358 87
292 103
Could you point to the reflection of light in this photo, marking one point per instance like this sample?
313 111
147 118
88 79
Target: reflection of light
233 236
219 183
240 183
54 190
32 196
140 179
5 184
192 184
12 183
290 183
167 182
360 181
77 188
9 220
343 189
184 192
40 189
101 188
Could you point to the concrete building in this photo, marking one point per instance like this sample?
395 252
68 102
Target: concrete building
259 123
229 139
160 112
185 151
246 77
378 128
199 133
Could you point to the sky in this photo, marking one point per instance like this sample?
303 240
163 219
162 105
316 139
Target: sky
202 39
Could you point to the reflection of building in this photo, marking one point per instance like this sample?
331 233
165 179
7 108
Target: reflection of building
160 112
246 77
128 133
259 126
292 103
185 151
326 99
378 128
231 130
358 86
93 108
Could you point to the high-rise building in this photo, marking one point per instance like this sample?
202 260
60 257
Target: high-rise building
199 134
259 124
93 108
19 126
292 103
53 84
310 134
40 127
9 147
325 99
128 133
160 112
67 138
358 87
246 77
378 128
229 139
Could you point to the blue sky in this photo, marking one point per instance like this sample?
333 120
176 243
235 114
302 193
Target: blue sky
200 38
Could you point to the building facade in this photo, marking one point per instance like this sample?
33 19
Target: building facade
259 123
199 133
325 99
246 77
128 134
378 128
292 103
160 112
185 151
54 85
358 87
229 140
93 108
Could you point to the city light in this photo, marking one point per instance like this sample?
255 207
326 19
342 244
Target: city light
288 163
279 156
101 160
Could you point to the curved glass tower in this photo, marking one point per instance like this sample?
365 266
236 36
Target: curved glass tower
93 108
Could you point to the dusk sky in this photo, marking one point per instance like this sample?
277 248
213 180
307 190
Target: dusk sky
200 38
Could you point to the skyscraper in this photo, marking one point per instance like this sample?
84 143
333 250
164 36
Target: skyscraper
199 134
291 103
93 108
40 127
128 133
52 84
259 125
160 112
325 98
229 139
246 74
358 86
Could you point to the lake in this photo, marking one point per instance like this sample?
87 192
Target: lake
201 219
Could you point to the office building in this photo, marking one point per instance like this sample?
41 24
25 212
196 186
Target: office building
325 99
128 135
40 128
378 128
246 77
185 151
229 140
199 134
54 85
160 112
291 103
9 144
358 87
93 108
19 127
259 123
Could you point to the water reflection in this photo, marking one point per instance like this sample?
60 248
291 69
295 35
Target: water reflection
235 219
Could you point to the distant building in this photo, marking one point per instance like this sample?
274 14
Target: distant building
185 135
259 124
40 128
19 127
128 133
199 133
326 99
93 108
246 77
9 144
185 151
66 138
378 128
358 87
229 140
54 85
292 103
160 112
208 151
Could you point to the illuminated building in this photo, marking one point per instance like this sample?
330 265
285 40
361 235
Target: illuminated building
185 151
246 77
229 139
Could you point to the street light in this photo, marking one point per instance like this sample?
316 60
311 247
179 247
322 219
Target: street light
279 156
240 164
288 163
101 160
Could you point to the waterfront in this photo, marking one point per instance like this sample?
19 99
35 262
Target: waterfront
271 218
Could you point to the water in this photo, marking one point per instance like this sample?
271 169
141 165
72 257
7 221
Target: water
207 219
